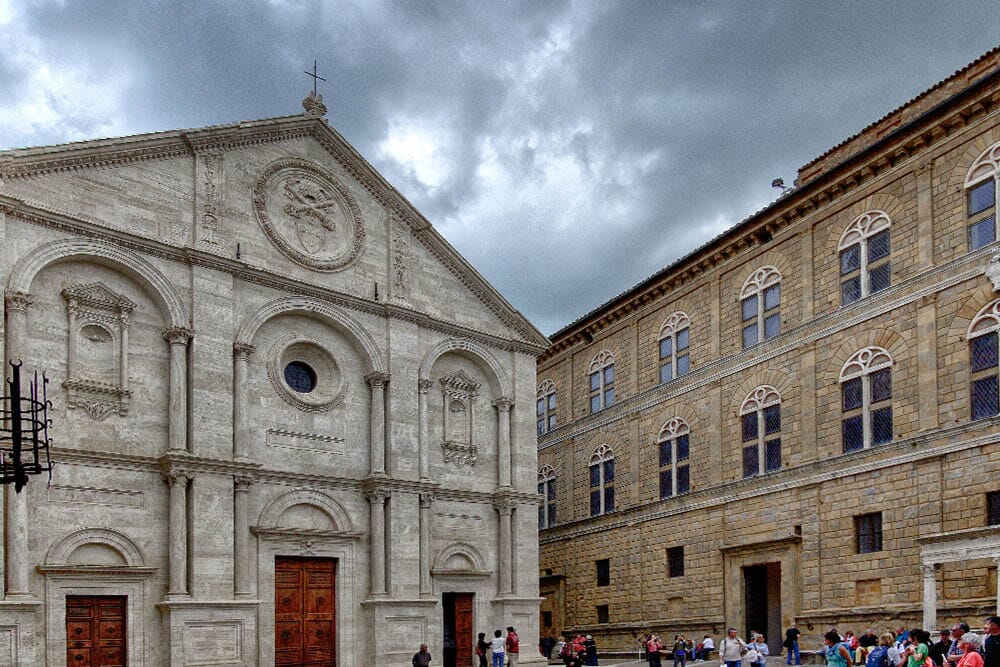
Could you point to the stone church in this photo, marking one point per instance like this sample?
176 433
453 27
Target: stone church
291 424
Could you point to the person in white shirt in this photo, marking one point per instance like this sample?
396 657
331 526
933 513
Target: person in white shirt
731 649
497 648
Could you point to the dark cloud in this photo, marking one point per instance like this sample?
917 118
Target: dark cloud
586 144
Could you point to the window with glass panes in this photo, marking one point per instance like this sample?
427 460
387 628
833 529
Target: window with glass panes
760 416
601 375
760 306
547 490
675 471
868 532
983 362
674 341
545 407
864 257
675 561
602 481
981 198
866 399
993 508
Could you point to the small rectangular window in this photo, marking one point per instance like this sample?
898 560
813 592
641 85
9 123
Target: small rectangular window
750 426
675 561
772 326
881 385
850 259
602 614
683 364
868 532
772 419
854 435
880 277
609 471
881 426
609 499
750 335
750 308
666 453
666 483
666 373
984 352
852 393
982 233
609 397
982 197
683 339
604 572
993 508
878 246
683 447
683 479
772 455
666 347
751 464
772 297
595 503
985 398
595 475
850 290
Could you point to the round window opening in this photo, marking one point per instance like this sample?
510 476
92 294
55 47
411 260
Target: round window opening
300 376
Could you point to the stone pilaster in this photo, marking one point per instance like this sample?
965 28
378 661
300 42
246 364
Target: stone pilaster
177 586
377 382
423 386
241 427
377 498
178 338
505 507
426 502
242 579
503 406
929 572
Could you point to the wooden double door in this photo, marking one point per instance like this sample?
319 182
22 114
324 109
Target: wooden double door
305 624
95 631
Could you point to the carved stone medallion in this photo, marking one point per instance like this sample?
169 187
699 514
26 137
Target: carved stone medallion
308 215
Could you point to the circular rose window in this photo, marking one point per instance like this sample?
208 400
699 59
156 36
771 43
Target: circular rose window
305 374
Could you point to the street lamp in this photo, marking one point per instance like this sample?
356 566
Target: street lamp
24 431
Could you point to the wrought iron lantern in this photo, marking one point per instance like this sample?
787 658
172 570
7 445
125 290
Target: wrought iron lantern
24 432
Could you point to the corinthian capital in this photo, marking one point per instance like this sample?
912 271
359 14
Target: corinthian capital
424 385
503 404
243 351
18 301
177 335
377 379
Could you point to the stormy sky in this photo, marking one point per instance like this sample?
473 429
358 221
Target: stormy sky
567 149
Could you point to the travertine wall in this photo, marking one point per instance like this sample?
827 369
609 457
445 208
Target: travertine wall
929 483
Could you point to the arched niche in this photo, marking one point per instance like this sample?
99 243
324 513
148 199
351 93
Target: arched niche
305 511
470 349
95 546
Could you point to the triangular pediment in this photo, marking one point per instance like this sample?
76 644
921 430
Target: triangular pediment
98 295
110 169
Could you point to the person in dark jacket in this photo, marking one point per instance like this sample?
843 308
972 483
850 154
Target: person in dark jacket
422 658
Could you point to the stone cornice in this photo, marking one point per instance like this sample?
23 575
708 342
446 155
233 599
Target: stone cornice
818 195
20 210
923 446
910 290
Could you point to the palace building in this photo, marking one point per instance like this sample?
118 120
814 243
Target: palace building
291 424
800 420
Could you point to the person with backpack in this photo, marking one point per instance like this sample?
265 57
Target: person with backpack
732 649
878 656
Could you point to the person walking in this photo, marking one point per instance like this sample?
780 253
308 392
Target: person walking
497 648
791 645
513 646
422 658
731 649
590 648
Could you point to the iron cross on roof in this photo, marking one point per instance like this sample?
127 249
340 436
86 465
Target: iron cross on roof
316 78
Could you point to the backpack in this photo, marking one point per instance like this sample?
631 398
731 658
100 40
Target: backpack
878 657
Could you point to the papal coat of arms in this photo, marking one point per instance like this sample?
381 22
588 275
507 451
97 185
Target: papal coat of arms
308 215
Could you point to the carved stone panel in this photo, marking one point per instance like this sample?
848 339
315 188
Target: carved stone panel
208 215
399 262
308 215
97 359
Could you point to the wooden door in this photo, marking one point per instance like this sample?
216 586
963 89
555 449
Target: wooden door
304 612
95 631
464 640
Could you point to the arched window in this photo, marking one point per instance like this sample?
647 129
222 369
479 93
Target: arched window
545 407
866 399
760 415
760 305
864 257
602 481
674 339
981 198
983 355
602 381
675 473
547 490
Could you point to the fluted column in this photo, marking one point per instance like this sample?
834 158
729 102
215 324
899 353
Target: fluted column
178 338
178 534
930 594
423 386
16 503
505 507
241 536
377 381
503 406
426 501
377 539
241 426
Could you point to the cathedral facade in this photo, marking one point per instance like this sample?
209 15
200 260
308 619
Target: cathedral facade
291 424
800 420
